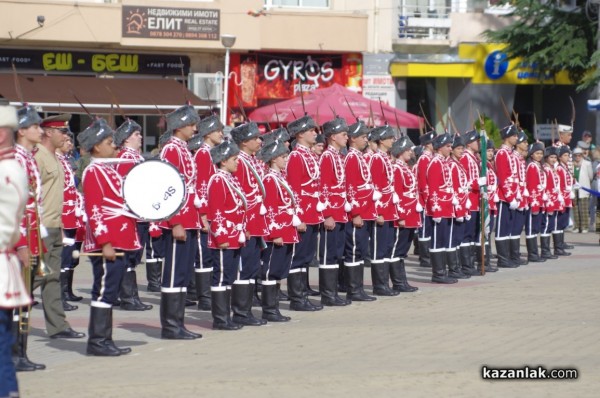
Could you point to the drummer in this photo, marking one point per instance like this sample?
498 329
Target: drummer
110 233
128 138
181 230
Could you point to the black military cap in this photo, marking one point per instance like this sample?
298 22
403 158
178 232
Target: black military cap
272 150
28 116
535 147
401 145
301 125
245 132
223 151
337 125
97 132
125 131
441 140
427 138
509 131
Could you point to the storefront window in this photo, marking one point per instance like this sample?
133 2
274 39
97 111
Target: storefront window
298 3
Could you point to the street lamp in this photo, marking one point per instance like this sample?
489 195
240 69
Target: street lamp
228 41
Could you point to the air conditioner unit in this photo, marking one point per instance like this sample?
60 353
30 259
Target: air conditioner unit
207 86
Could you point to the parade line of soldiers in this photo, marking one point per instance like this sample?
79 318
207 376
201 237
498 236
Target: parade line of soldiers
256 215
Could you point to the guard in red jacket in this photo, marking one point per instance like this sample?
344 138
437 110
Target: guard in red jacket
303 176
226 214
409 212
210 133
333 191
282 222
424 232
554 201
111 232
128 138
522 211
181 230
566 188
383 232
507 170
72 219
440 207
459 251
536 186
472 165
249 174
361 196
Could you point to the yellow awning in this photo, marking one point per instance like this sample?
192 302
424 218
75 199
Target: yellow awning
417 69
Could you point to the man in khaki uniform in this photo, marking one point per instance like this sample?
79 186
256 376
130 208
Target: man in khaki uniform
52 178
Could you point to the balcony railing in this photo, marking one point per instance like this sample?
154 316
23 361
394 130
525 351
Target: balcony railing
430 19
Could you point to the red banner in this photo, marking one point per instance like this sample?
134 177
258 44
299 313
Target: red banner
260 79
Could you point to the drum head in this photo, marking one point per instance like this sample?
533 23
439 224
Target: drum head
154 190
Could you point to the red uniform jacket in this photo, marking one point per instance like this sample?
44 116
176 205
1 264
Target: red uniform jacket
439 186
108 219
359 186
507 170
303 177
460 186
536 186
472 167
206 169
382 173
249 174
226 211
405 185
555 200
30 220
523 195
71 214
566 184
177 153
333 185
492 188
281 208
421 174
129 154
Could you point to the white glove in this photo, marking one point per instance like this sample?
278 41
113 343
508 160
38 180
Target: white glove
454 201
468 217
572 195
437 220
545 197
526 193
514 204
576 185
460 219
395 198
482 181
419 207
468 204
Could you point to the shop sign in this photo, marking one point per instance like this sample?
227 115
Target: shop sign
376 87
264 77
94 62
170 23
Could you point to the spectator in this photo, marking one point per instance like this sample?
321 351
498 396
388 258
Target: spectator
587 138
585 147
584 175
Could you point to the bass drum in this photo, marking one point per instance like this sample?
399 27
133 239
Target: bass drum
154 190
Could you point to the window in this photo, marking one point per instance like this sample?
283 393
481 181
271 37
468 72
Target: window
298 3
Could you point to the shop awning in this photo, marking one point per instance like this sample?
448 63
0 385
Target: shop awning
135 96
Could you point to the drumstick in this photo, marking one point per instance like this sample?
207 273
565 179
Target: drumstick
77 254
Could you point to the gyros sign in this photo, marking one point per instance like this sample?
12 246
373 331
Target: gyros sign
299 70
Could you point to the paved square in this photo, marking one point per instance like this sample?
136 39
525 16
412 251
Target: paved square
430 343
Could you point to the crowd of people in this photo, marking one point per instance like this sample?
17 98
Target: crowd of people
258 210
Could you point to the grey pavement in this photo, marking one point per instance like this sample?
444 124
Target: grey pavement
433 342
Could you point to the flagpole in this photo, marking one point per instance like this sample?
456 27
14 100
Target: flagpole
483 208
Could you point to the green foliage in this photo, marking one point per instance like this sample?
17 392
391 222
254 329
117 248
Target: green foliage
550 40
491 129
